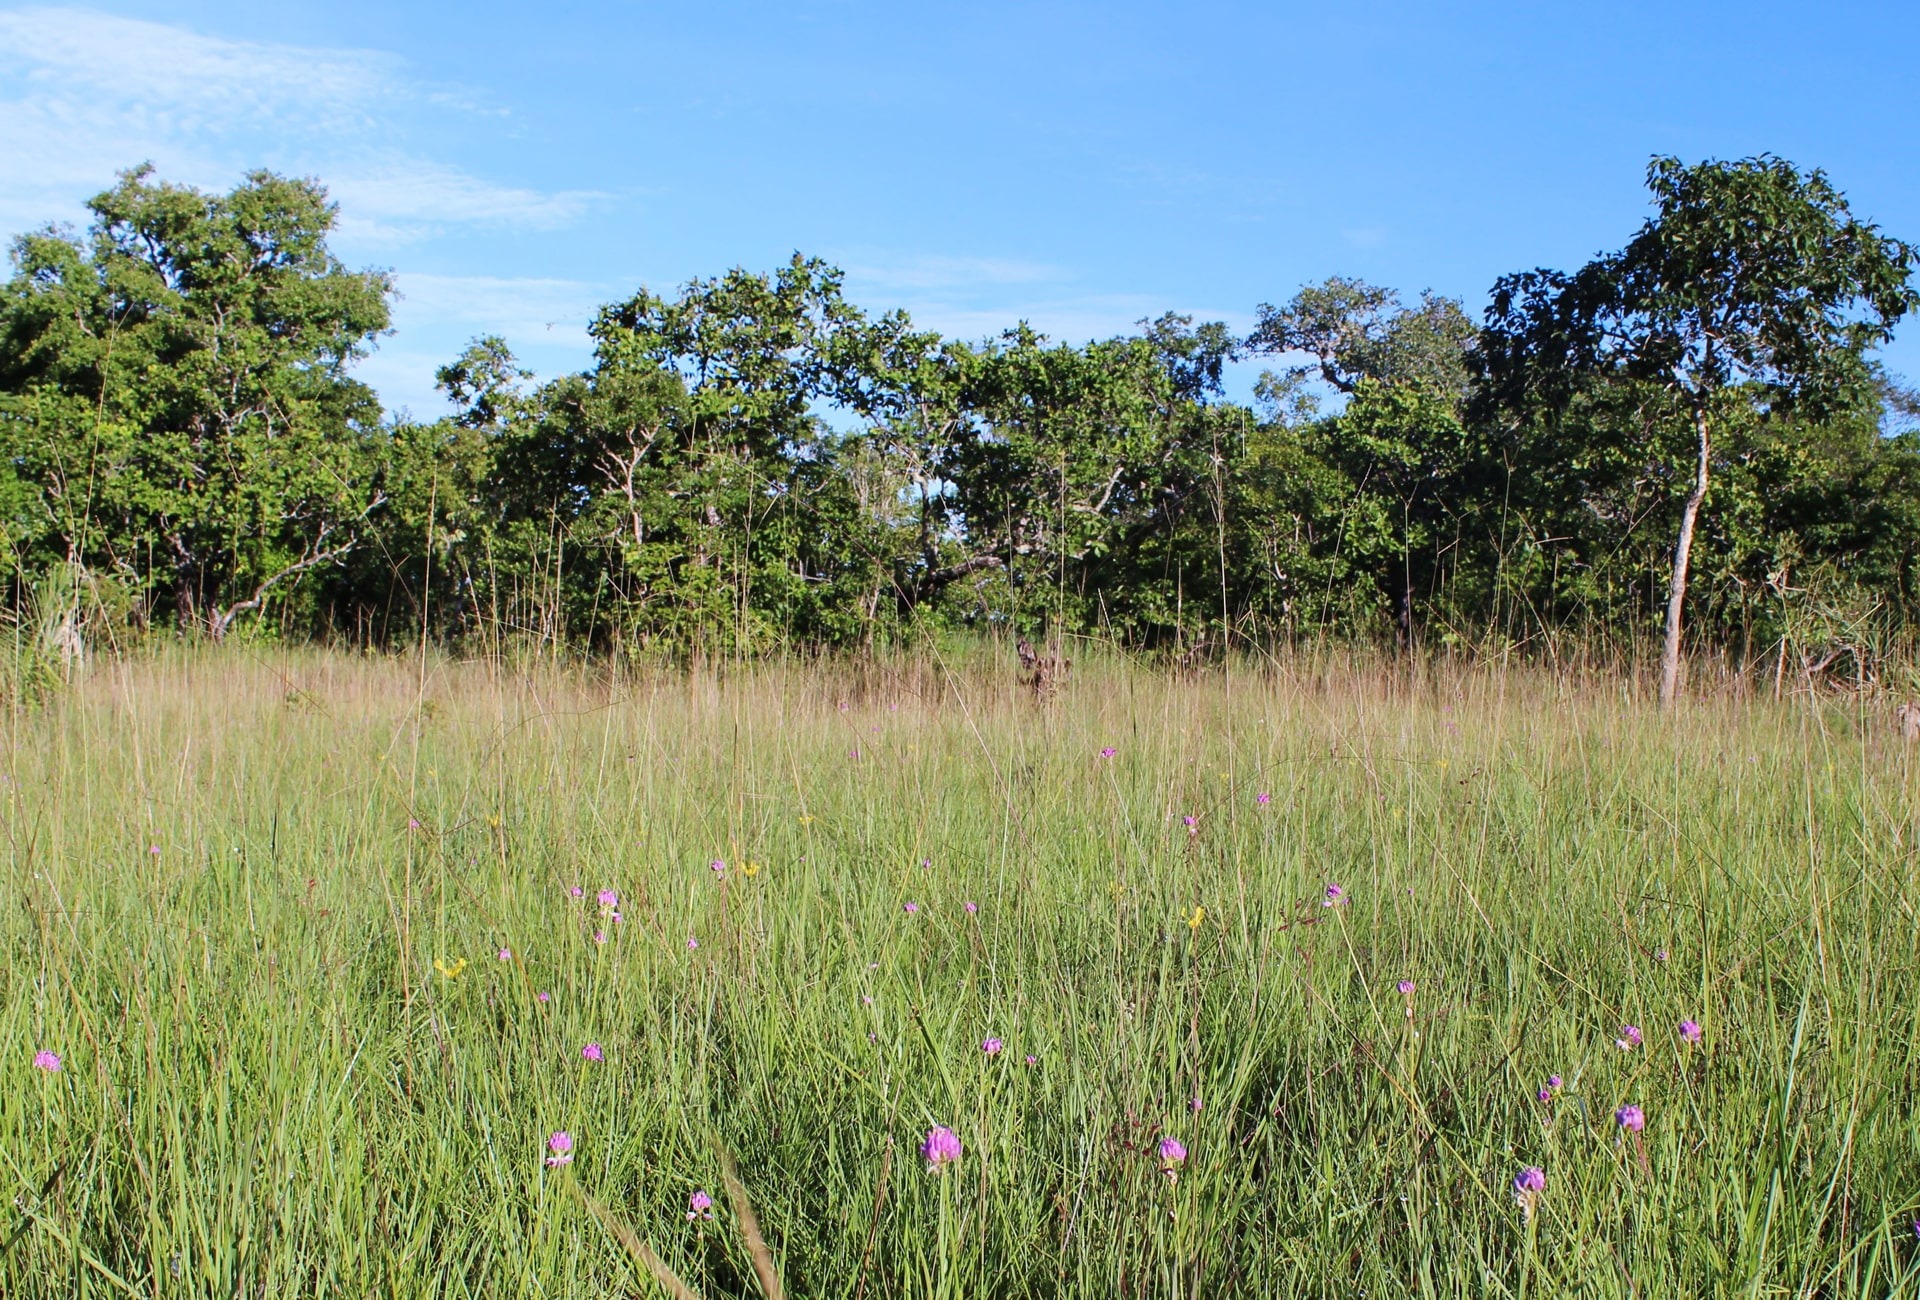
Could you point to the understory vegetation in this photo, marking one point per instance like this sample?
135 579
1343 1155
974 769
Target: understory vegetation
313 957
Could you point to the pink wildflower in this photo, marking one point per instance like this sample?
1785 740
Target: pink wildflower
941 1148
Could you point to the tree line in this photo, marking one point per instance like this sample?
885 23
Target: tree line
1687 439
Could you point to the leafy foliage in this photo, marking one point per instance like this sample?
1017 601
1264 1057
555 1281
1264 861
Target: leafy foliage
753 462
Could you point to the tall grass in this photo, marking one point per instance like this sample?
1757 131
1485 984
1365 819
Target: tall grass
240 890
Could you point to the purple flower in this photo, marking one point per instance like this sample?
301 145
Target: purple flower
1630 1118
1528 1184
1630 1038
413 823
1689 1031
971 907
1263 798
1335 896
506 954
609 899
1660 954
699 1206
1108 752
1553 1081
599 936
693 944
718 867
577 892
941 1148
1032 1059
1173 1152
48 1061
592 1052
1405 987
560 1147
911 907
544 996
992 1046
1545 1095
1191 822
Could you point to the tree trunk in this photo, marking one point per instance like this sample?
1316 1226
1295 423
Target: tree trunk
1677 586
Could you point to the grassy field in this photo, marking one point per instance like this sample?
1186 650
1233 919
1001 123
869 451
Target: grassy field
318 944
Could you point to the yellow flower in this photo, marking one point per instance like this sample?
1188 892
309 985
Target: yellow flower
493 822
450 970
1195 917
806 819
751 869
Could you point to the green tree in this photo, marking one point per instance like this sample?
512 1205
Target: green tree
1083 465
1752 285
1354 331
176 389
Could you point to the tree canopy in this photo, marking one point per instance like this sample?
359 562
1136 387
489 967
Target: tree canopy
754 462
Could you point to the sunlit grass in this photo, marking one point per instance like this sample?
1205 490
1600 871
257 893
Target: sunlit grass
241 892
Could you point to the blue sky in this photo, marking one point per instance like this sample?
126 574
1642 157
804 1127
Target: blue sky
1077 165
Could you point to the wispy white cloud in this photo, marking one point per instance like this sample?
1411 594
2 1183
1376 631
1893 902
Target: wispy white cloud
83 94
188 82
400 200
503 305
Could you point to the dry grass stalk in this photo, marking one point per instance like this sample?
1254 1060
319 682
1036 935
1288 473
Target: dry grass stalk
666 1277
763 1265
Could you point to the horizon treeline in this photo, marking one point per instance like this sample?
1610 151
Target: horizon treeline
756 464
